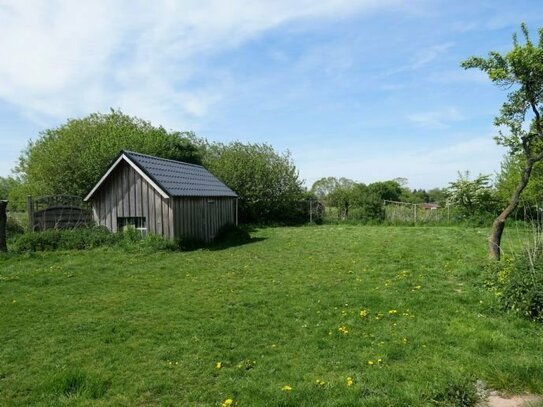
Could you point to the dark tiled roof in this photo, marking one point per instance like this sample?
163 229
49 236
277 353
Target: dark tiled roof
177 178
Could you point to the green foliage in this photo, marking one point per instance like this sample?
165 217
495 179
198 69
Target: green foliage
509 178
14 227
518 281
87 238
459 393
266 181
70 159
473 198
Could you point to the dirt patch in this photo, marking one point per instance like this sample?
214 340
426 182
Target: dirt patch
495 400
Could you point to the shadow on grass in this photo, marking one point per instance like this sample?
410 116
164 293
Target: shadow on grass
233 243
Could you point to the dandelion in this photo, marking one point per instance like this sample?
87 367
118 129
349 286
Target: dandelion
286 388
218 365
227 403
363 313
343 329
349 381
370 362
392 312
320 382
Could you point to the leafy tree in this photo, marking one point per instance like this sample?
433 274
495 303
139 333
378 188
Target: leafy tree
386 190
520 71
324 187
70 158
508 179
471 197
267 182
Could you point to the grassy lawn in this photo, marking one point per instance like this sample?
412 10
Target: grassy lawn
401 311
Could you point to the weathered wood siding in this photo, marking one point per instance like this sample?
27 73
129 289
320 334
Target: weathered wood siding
201 218
126 194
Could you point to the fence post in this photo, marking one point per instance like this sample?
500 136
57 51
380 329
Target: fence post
310 211
30 212
3 223
415 214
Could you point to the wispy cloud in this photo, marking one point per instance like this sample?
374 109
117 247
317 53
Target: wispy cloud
438 119
69 58
427 55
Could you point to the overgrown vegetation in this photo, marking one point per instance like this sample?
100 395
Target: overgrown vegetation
517 281
302 316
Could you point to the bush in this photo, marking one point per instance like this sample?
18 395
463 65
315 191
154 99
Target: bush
518 282
81 239
14 227
458 393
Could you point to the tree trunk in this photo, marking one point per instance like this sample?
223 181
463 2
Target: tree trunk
3 222
495 239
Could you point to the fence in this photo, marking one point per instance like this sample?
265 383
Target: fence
422 213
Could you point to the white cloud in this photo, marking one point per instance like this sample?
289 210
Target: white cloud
427 55
63 58
438 119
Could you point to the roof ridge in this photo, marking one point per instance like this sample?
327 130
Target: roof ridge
162 159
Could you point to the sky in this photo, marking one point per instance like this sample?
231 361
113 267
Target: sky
365 89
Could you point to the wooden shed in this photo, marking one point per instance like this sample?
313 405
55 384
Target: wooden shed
163 197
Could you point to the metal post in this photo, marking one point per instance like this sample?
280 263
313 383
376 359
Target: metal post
415 213
310 211
30 213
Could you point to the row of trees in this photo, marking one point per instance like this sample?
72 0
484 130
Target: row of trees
70 158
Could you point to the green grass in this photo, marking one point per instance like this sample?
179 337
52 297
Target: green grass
105 327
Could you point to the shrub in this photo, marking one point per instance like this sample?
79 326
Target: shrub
518 282
81 239
458 393
14 227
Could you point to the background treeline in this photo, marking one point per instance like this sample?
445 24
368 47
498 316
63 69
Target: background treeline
70 158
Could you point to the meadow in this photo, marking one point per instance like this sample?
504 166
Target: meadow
309 316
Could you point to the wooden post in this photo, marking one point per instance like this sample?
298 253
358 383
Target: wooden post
310 211
415 213
3 223
237 199
30 212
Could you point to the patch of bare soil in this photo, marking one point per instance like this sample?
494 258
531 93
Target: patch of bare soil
495 400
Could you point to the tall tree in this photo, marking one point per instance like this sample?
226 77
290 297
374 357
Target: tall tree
520 71
70 158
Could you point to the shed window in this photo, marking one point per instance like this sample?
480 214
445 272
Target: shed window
137 223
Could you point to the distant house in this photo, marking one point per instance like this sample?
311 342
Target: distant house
164 197
429 206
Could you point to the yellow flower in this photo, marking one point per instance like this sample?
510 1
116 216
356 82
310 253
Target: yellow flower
392 312
286 388
227 403
349 381
320 382
343 329
218 365
370 362
364 313
404 340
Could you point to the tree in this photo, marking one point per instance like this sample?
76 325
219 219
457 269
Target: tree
520 71
70 158
471 197
324 187
266 181
508 179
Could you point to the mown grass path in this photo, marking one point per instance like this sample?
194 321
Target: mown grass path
400 311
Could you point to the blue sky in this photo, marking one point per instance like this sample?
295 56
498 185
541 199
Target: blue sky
369 90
